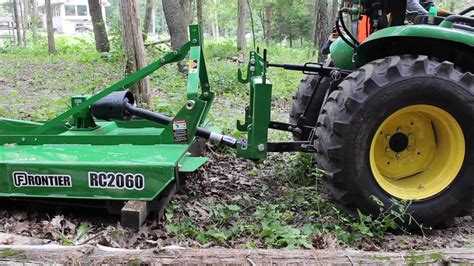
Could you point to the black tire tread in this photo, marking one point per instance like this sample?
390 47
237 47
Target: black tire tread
342 104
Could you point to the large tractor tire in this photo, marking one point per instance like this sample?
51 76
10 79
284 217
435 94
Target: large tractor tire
302 100
401 127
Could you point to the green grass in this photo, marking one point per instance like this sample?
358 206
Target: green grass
9 253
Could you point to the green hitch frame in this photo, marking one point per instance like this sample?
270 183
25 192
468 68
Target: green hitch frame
258 112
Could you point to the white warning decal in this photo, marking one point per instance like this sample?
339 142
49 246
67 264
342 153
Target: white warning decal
116 181
24 179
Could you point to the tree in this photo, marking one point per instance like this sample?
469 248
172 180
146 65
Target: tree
100 33
176 23
16 15
200 18
321 27
241 18
215 21
134 49
49 26
34 16
292 20
24 18
334 9
267 23
148 22
186 7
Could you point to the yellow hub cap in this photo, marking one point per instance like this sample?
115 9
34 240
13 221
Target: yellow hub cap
417 152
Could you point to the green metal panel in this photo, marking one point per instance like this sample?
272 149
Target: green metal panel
258 113
342 54
191 114
424 31
156 163
107 133
256 147
408 35
191 164
255 68
82 120
193 75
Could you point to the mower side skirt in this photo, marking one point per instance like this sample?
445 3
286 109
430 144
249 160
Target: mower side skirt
191 164
107 172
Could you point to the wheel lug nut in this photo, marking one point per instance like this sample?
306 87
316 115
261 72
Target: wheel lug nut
388 136
399 130
409 148
387 149
398 155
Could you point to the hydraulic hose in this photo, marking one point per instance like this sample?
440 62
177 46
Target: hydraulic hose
343 25
343 37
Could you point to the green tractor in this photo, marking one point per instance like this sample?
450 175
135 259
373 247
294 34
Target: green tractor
399 125
386 117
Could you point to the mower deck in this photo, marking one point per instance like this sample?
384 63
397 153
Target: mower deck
114 162
123 172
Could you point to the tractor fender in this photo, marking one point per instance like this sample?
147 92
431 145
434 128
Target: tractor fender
454 45
342 54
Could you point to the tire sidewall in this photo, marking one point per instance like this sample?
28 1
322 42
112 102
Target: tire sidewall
396 94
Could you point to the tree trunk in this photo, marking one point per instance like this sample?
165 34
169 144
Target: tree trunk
268 23
451 6
134 49
100 33
172 255
49 27
34 17
16 15
148 22
334 9
200 18
186 7
321 27
215 23
261 16
241 18
176 25
24 19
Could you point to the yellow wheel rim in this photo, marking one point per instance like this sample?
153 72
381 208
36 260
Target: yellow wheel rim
417 152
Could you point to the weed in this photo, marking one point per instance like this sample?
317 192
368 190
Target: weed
384 258
8 253
64 240
437 257
470 244
117 234
135 262
413 259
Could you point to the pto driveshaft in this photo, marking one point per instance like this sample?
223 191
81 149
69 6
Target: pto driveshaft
120 106
214 137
